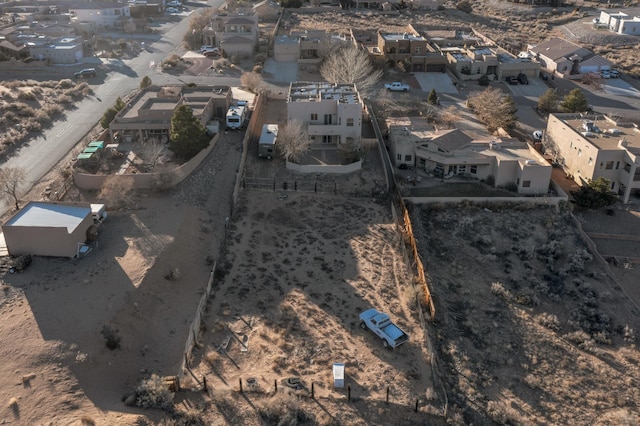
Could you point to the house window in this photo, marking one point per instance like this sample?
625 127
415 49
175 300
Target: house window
590 161
407 158
423 162
418 49
314 117
349 122
462 169
613 186
473 169
517 181
327 119
608 165
399 157
579 152
617 165
526 183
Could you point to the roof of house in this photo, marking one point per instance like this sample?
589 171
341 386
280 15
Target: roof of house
99 5
608 134
557 48
305 91
450 140
41 214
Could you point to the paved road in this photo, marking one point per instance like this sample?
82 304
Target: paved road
122 76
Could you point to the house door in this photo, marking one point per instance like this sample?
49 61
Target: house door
327 118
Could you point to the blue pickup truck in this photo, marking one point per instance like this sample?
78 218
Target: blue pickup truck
392 336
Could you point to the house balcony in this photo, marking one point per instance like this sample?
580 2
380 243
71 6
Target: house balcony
324 129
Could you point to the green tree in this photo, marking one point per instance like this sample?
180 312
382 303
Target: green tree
595 195
548 102
111 113
483 80
432 99
145 82
464 6
575 101
188 136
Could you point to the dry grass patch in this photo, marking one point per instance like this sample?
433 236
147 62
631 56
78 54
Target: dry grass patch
26 106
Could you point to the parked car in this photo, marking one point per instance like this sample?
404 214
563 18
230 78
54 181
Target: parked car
537 135
605 74
512 79
524 56
397 87
523 79
203 48
614 73
391 335
595 21
172 10
174 3
211 53
210 50
87 72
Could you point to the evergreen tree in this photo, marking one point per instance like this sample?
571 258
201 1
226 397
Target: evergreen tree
595 195
145 82
548 102
432 99
575 101
188 136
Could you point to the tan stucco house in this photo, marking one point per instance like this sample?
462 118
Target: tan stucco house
48 229
446 153
591 147
235 34
149 114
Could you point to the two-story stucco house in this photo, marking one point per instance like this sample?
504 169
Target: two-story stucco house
64 50
408 48
149 114
233 33
595 147
100 14
331 113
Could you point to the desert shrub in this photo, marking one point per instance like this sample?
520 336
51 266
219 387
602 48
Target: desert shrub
42 117
548 320
497 289
257 69
283 410
483 80
66 84
64 99
526 299
491 180
111 337
511 187
154 393
582 339
628 334
171 62
578 260
502 413
252 81
24 110
53 110
26 95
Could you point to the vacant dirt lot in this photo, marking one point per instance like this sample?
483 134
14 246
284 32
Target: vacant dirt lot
530 329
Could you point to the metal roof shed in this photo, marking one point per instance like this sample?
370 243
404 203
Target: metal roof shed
48 229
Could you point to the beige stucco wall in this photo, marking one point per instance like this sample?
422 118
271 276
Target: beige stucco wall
44 240
148 180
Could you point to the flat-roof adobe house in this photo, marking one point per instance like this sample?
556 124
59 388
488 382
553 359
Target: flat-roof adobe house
589 148
331 113
48 229
149 114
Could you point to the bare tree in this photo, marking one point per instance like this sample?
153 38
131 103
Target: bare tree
293 140
151 151
252 81
10 180
349 64
450 115
496 109
117 191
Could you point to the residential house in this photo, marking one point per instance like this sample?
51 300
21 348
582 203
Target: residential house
469 63
149 114
591 147
446 153
100 14
408 48
64 50
48 229
331 113
426 4
567 59
305 46
233 33
620 22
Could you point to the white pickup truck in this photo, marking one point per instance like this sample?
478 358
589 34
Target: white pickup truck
391 335
396 86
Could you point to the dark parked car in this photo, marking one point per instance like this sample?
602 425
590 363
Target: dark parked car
522 78
512 80
87 72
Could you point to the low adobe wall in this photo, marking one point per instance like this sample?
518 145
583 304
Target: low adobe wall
148 180
317 168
